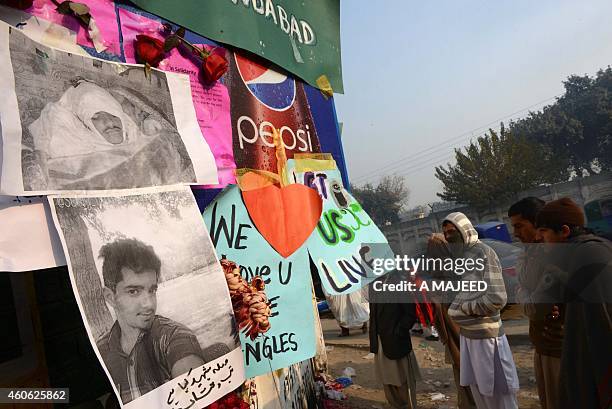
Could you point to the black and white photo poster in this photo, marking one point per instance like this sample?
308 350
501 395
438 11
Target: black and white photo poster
71 122
152 295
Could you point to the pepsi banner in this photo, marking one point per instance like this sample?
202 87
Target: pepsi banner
302 37
238 113
263 100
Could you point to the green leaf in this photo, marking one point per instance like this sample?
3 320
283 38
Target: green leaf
171 42
85 18
79 9
64 8
181 32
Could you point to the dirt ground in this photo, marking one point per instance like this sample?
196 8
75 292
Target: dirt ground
437 376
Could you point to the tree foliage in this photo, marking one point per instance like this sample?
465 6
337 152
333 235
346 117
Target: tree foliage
569 138
496 167
578 126
384 201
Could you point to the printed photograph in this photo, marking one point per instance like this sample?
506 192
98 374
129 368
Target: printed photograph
88 124
151 290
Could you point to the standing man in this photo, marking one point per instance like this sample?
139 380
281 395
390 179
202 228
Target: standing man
487 366
395 363
533 296
142 351
586 262
437 249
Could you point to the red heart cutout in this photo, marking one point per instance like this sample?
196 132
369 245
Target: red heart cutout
285 216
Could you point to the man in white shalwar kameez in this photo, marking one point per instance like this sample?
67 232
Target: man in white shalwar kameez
487 366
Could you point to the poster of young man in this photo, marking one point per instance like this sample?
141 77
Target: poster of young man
152 295
77 123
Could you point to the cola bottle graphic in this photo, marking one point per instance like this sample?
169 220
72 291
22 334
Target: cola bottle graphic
261 99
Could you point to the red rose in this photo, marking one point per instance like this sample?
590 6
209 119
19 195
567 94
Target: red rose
149 50
232 400
18 4
214 67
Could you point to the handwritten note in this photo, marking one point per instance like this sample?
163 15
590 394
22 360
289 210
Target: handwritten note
288 285
346 239
198 384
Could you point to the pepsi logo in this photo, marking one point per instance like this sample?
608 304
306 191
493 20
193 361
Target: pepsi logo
273 89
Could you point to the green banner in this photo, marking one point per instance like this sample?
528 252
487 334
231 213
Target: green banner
301 36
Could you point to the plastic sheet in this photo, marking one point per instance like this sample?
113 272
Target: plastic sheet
350 310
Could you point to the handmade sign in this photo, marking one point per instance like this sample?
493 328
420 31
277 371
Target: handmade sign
294 386
291 337
301 37
77 123
346 240
276 211
152 295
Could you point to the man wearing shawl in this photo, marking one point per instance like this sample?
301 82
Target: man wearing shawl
486 363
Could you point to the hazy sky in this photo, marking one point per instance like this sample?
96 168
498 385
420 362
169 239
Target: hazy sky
428 76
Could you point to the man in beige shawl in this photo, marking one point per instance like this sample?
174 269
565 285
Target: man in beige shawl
448 330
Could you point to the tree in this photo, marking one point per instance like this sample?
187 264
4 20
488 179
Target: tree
384 201
496 167
578 126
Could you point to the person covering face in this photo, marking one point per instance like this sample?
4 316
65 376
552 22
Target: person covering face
83 134
486 363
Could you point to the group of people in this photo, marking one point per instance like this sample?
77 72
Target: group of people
565 289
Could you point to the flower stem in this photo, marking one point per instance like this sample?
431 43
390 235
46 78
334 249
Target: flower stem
196 50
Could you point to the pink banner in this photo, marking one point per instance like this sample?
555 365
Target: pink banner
103 12
212 102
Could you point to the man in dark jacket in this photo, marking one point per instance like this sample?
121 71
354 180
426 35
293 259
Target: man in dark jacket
395 363
538 300
586 264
